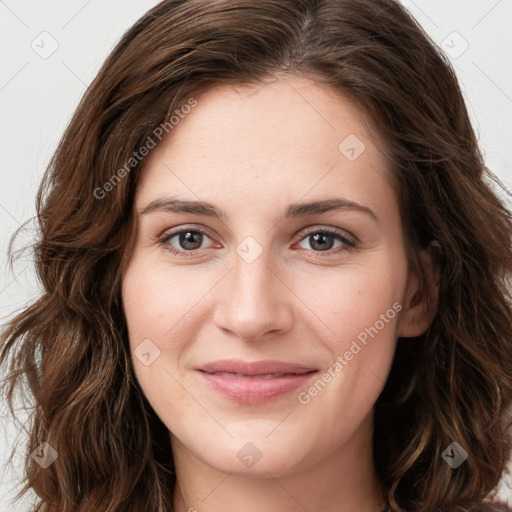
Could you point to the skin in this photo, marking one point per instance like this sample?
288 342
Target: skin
251 152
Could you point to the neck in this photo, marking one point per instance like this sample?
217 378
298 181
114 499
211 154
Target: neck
344 481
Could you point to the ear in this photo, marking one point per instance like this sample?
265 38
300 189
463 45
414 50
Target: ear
417 316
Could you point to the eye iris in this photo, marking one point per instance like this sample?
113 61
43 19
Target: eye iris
190 237
192 240
319 239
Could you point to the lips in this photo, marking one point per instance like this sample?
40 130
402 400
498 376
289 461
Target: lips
257 376
254 382
255 368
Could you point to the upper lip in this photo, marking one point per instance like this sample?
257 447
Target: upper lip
263 367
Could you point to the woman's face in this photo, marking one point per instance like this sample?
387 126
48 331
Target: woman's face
295 254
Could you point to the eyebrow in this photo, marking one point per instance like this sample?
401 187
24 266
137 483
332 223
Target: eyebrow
300 209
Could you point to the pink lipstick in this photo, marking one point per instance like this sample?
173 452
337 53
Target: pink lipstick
254 382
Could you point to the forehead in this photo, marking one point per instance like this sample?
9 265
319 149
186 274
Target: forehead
289 133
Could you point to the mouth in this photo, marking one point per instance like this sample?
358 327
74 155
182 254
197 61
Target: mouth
254 382
259 376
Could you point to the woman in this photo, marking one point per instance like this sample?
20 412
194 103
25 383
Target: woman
275 274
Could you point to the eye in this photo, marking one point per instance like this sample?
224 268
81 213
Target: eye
184 241
323 240
189 241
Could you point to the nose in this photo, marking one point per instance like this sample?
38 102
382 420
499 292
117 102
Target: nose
254 302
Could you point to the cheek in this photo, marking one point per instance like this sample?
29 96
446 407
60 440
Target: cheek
361 355
156 300
155 304
352 300
165 305
359 310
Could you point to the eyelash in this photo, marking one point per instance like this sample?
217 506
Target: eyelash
349 243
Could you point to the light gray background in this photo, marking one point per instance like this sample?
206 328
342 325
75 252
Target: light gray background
39 92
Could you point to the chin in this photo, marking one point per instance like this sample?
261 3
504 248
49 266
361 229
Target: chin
256 456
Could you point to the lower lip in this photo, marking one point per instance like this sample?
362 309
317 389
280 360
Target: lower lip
254 390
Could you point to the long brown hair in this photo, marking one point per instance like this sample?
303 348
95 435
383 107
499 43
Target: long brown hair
69 349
